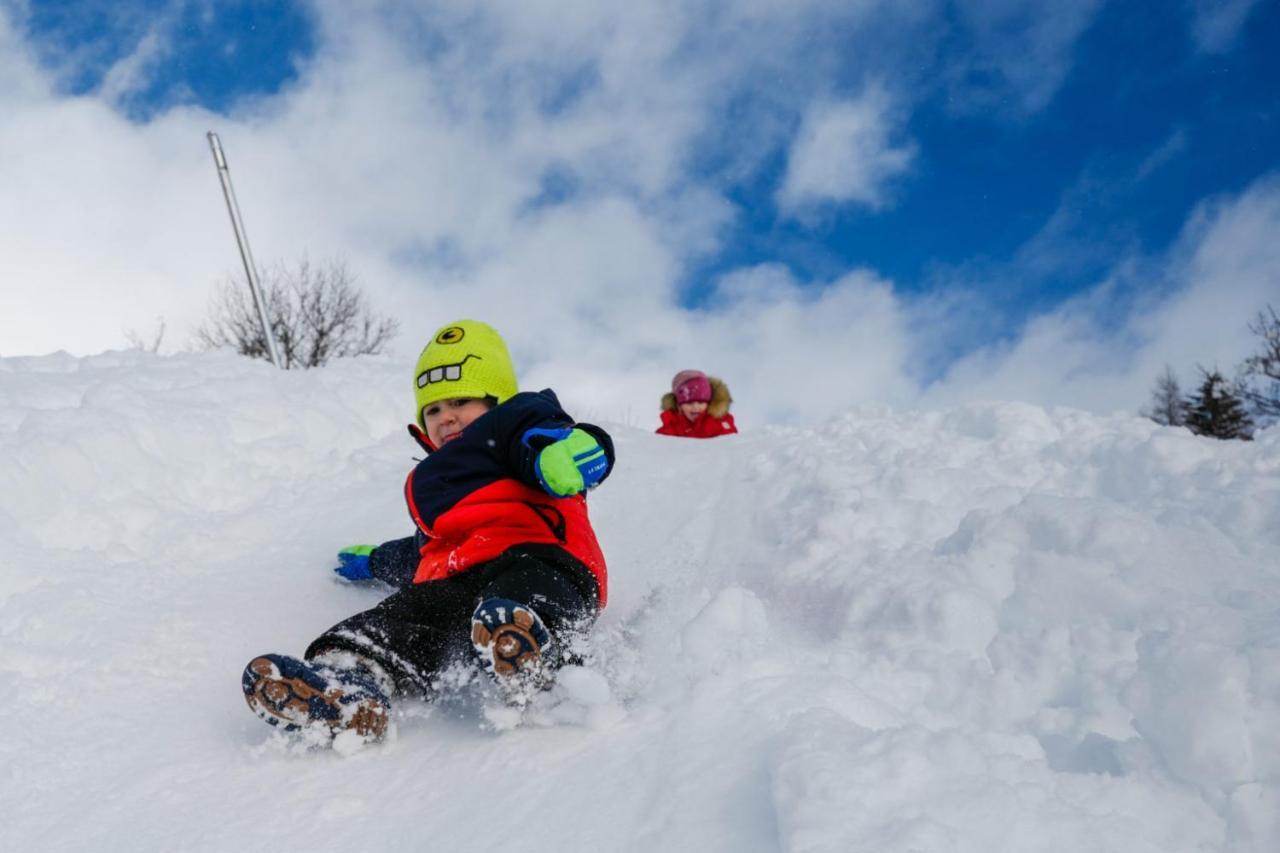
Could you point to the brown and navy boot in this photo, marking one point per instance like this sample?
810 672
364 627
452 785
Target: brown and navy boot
514 647
313 695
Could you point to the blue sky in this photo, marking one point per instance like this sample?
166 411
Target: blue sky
1143 127
215 54
989 167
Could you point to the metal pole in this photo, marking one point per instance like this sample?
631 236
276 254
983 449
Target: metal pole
242 240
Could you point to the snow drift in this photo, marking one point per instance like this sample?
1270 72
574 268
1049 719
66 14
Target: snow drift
988 628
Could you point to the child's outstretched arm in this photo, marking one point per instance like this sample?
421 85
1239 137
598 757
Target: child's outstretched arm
546 449
391 562
570 460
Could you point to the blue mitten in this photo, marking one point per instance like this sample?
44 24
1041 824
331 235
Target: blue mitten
570 461
353 563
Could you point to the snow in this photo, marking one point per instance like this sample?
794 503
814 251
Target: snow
992 627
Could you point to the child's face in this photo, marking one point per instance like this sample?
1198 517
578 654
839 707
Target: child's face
447 419
693 410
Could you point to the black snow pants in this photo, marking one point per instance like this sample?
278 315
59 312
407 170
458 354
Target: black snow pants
420 630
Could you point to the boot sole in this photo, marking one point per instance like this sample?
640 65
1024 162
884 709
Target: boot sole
512 652
292 701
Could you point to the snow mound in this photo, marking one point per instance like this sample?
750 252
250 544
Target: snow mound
993 627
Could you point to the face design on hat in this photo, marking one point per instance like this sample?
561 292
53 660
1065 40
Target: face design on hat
444 372
447 337
451 335
466 359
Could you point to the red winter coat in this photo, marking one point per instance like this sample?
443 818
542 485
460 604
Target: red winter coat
478 496
715 421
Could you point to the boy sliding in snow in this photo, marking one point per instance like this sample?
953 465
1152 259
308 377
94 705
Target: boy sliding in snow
503 558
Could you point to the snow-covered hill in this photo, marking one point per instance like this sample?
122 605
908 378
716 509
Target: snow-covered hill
987 628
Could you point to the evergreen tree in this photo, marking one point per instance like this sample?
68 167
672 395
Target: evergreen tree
1216 411
1168 407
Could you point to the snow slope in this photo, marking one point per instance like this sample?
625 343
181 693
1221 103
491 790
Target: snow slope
987 628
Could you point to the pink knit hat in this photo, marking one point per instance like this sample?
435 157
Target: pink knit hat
691 386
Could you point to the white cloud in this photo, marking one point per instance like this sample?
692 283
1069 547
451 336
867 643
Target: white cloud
22 86
130 74
1021 51
845 152
1098 353
423 168
1216 23
1173 146
790 352
384 151
805 352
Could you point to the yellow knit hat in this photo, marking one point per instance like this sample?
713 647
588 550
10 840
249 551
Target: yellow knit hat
465 358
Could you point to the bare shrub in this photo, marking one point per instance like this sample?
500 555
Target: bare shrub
317 314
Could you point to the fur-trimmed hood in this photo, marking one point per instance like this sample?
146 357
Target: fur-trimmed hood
720 399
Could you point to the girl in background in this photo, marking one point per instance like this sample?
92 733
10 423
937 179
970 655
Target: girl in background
697 406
